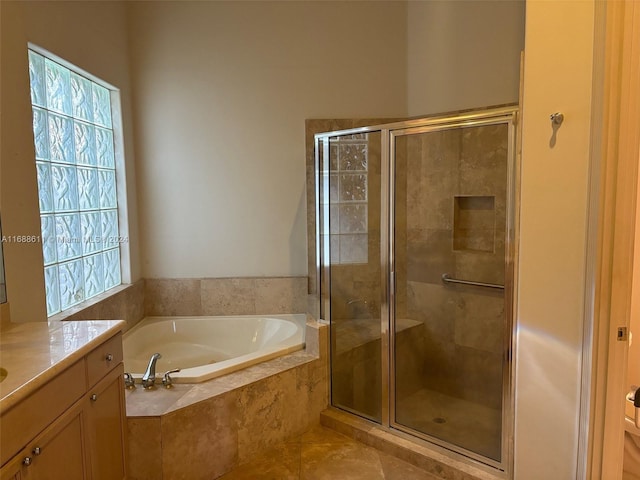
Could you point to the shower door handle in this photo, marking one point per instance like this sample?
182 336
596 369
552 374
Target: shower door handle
392 287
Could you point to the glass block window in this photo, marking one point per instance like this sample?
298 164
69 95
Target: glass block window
75 165
348 198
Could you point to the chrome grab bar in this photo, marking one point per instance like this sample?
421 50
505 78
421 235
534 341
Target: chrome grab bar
448 279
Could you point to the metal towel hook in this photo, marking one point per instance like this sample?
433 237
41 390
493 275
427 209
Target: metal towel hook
557 118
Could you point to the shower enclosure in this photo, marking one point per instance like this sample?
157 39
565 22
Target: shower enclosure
415 230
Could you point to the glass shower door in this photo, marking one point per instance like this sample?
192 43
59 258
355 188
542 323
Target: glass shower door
450 328
350 202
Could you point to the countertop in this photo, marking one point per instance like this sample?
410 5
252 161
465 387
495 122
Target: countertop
35 352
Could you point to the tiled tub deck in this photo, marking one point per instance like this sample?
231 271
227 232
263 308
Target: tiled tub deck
201 431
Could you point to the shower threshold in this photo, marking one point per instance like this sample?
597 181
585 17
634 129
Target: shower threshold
432 458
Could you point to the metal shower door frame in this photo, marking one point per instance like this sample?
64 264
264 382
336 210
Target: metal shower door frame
389 132
507 116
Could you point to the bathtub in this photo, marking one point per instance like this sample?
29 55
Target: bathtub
208 347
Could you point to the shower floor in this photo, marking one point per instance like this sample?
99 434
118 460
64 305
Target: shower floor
460 422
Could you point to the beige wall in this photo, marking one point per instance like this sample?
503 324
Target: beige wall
551 293
463 54
222 91
19 197
633 362
91 35
225 196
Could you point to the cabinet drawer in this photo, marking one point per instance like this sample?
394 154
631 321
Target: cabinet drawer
23 422
103 359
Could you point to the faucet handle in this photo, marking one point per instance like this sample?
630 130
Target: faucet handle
129 382
167 380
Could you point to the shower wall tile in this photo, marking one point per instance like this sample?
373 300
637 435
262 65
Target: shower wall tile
435 306
144 445
483 161
431 177
409 360
172 296
431 255
478 376
313 126
355 373
463 333
429 200
479 321
480 266
351 285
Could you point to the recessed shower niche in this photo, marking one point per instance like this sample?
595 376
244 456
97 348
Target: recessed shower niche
474 223
421 326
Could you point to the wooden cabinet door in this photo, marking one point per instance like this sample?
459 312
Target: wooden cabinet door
11 470
106 428
58 453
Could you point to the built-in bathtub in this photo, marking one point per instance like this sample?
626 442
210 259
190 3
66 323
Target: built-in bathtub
208 347
279 398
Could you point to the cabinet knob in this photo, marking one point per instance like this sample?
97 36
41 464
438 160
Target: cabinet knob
27 461
93 397
36 451
108 357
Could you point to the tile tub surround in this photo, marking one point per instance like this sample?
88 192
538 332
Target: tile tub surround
193 296
201 431
225 296
125 302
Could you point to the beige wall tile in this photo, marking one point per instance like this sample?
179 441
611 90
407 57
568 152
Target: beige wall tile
126 304
479 376
266 407
201 442
312 385
281 295
172 296
228 296
479 321
145 448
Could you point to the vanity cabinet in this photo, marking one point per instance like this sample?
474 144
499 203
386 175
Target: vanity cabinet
104 436
56 453
74 425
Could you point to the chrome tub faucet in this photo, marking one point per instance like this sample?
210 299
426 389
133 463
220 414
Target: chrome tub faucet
149 377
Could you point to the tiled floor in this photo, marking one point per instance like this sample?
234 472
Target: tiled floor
323 454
